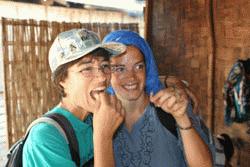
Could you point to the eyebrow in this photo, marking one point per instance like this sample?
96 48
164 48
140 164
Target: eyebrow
84 61
117 65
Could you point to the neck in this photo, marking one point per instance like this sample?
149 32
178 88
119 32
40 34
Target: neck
134 109
136 105
77 111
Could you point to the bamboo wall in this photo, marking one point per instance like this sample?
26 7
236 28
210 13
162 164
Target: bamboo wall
199 41
3 130
28 89
179 34
232 31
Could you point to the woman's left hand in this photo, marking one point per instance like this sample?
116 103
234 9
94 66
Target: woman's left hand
172 100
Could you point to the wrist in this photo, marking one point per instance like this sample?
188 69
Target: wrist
101 137
184 123
185 127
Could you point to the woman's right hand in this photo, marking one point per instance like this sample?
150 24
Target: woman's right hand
107 116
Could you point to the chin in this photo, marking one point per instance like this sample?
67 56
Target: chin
132 99
130 96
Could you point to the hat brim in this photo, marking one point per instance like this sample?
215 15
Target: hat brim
114 48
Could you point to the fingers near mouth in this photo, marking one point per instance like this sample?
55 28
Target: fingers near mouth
95 92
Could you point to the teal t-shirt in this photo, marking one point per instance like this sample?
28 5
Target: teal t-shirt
46 146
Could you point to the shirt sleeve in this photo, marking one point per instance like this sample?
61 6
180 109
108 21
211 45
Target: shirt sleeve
45 146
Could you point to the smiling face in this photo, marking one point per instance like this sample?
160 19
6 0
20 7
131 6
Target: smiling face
87 77
128 74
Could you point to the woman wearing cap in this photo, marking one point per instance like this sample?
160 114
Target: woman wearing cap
81 72
142 141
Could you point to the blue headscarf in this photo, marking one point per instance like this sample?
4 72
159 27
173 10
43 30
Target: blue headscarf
126 37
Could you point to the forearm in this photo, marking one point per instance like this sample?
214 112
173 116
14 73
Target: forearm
103 153
196 151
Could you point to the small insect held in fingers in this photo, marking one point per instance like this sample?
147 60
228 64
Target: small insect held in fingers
177 94
151 94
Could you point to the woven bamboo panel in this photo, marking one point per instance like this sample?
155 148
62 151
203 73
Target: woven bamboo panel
180 38
233 34
188 44
28 89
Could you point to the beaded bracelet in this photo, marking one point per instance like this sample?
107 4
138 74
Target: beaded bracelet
185 128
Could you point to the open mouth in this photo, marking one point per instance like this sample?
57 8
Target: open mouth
131 86
95 92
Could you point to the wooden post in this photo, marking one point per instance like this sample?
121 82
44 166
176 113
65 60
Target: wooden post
148 20
211 67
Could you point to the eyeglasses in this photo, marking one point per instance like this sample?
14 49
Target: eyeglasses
94 71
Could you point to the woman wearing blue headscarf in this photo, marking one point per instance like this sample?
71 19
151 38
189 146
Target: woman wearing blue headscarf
142 140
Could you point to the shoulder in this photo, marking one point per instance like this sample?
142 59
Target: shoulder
46 145
44 138
43 132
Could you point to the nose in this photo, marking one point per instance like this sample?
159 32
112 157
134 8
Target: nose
102 76
130 75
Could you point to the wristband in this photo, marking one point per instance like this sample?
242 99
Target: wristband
185 128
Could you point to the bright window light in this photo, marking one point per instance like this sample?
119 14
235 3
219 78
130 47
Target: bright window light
129 5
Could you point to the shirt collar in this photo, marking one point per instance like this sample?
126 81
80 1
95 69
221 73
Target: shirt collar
77 124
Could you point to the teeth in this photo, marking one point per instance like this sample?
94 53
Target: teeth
100 88
131 87
96 91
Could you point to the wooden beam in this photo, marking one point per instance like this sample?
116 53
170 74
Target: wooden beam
148 20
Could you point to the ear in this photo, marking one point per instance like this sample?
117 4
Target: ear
62 83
